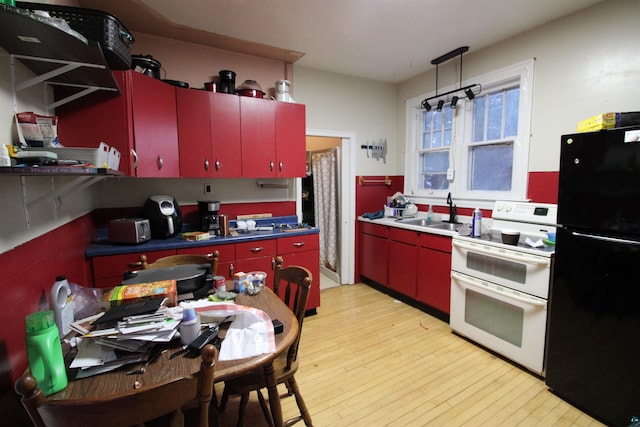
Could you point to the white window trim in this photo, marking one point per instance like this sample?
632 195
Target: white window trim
522 71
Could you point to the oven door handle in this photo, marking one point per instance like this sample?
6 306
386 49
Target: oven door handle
518 258
463 279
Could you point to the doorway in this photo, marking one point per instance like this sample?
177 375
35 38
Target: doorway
323 144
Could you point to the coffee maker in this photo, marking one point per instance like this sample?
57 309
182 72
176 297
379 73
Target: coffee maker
209 218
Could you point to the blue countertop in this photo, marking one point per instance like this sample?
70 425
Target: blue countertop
284 227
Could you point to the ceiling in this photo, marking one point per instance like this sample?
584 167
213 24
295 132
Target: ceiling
384 40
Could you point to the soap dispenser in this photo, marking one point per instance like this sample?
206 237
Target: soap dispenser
430 214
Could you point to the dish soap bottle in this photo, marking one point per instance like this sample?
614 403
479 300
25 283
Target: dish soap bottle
44 352
430 214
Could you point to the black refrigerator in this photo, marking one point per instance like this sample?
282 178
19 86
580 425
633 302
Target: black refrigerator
593 339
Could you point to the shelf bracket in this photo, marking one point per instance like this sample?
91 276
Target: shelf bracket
65 67
86 91
56 194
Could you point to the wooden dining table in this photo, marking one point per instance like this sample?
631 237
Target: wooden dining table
163 369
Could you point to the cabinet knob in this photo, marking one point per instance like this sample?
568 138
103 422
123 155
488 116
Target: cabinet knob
206 164
217 165
160 162
280 166
231 270
271 166
135 159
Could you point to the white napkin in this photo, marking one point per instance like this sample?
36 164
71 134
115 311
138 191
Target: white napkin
537 244
249 335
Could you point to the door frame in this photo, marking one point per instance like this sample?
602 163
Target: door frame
347 200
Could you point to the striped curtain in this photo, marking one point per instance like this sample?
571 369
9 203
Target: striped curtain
325 169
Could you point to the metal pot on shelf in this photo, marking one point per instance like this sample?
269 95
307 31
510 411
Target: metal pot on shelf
250 88
147 65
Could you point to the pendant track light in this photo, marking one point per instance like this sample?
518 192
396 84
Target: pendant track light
469 94
444 97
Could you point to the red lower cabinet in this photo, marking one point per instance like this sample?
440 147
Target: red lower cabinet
434 272
414 264
256 255
403 256
374 252
304 251
108 271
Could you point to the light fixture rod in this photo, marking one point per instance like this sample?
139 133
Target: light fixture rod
462 89
449 55
468 90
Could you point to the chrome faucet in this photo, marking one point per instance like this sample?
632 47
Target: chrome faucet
453 211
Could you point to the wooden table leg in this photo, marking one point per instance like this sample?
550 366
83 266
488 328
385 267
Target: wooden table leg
274 397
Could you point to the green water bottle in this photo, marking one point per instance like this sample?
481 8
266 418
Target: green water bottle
44 352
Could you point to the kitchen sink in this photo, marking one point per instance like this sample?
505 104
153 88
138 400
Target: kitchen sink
453 226
423 222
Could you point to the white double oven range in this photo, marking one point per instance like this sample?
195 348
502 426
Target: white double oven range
500 292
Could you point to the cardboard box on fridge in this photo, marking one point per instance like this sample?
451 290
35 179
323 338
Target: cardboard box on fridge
126 294
609 121
599 122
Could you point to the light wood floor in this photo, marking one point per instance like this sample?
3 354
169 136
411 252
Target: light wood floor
369 360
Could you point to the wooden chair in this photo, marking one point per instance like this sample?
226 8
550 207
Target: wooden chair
127 409
297 281
172 260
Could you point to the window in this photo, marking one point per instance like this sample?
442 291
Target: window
477 151
434 153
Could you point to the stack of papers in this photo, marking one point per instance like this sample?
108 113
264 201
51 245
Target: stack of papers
126 341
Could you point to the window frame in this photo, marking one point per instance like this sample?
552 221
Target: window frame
461 138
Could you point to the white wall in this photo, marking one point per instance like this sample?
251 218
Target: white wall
586 64
343 103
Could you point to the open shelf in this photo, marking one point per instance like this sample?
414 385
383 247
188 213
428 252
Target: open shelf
58 170
54 56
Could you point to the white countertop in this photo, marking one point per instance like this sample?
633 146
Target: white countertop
393 222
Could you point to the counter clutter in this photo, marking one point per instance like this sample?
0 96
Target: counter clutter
267 228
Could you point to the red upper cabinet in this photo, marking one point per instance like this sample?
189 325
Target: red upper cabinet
209 134
149 147
194 133
155 128
258 131
290 140
225 135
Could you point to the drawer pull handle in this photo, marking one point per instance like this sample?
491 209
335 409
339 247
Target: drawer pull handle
217 165
257 249
298 244
160 162
206 164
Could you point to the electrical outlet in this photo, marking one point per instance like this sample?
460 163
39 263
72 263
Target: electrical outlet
450 174
208 188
